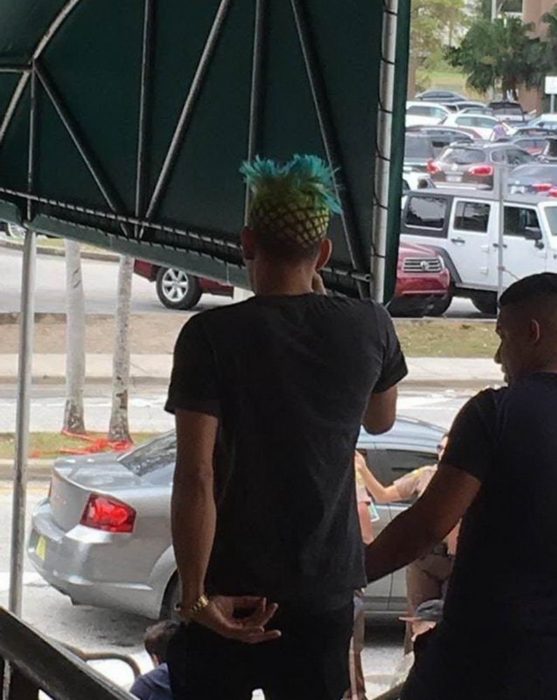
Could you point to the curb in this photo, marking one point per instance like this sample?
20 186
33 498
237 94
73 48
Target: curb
58 253
37 469
418 383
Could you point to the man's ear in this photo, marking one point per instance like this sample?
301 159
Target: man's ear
535 331
325 251
247 238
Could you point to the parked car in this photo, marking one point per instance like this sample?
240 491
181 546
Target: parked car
470 105
474 164
483 125
549 153
534 145
418 151
441 136
177 289
463 226
102 536
440 96
423 283
418 113
510 112
544 121
536 178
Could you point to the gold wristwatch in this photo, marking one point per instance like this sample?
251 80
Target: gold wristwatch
191 613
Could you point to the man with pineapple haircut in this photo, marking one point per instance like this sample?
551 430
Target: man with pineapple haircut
269 395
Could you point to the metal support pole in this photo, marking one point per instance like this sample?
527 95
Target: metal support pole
552 108
501 176
384 144
27 313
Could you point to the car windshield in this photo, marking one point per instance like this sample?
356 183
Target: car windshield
152 456
463 156
551 214
418 148
542 172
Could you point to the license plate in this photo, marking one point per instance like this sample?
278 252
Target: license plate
454 178
40 548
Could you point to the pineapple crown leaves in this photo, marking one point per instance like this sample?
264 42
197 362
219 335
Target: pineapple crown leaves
305 177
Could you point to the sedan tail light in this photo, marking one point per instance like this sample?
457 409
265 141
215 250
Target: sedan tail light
542 186
432 167
108 514
481 170
552 192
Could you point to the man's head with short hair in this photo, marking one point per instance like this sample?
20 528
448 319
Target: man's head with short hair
157 637
289 213
527 326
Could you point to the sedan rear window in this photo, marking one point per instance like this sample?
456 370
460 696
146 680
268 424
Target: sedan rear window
418 148
152 456
463 156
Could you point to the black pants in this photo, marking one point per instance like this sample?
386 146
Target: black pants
483 665
309 661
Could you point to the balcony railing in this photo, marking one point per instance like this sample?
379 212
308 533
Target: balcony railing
30 663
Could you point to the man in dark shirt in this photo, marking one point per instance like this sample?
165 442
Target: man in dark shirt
275 390
498 639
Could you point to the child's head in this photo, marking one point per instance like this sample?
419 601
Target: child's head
157 637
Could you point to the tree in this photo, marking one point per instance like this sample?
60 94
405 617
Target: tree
500 53
484 7
434 23
550 19
74 421
119 427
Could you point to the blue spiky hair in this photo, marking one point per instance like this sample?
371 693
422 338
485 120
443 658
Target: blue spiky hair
291 202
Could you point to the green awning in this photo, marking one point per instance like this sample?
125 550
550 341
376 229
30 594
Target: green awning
123 122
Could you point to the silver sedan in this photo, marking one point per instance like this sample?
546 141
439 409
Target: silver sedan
102 536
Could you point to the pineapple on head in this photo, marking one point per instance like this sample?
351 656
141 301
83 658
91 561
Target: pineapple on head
291 202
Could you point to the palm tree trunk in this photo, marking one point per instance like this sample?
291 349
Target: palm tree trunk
74 421
119 428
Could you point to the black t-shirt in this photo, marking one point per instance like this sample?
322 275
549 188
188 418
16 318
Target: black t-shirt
289 378
505 574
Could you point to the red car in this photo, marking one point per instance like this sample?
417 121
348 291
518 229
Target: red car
177 289
423 284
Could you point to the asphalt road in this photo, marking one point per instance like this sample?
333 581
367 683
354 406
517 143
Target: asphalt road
99 280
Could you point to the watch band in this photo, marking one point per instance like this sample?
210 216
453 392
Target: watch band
200 604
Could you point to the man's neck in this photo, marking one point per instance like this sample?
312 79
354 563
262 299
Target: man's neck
282 281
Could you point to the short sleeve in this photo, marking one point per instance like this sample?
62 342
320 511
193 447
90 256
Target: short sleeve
194 382
472 438
394 365
407 485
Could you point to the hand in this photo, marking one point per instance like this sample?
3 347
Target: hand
317 284
220 617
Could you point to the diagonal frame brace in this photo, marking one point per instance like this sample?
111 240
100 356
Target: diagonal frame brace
106 189
326 127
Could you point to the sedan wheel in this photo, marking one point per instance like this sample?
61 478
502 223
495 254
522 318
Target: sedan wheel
177 289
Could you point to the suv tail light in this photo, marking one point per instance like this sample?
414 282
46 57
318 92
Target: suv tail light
432 167
481 170
108 514
542 186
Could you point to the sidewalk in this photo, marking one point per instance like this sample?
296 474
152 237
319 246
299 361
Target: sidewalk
155 369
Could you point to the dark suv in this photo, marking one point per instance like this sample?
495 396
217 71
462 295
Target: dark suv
474 164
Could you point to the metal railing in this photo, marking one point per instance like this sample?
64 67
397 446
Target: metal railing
29 663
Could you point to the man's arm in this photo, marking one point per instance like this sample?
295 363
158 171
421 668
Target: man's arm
193 512
193 521
380 413
418 529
